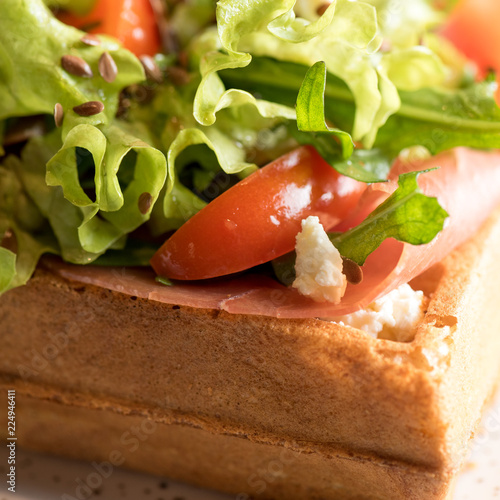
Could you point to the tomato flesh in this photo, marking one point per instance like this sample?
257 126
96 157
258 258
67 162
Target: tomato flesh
473 29
257 220
130 21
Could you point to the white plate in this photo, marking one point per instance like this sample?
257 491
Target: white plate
40 477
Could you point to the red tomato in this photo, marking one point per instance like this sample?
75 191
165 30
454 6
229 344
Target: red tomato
130 21
473 27
257 220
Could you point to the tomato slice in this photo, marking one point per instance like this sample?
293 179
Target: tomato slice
473 29
131 21
257 220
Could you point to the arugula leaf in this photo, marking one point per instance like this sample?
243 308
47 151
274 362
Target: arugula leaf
164 281
407 215
364 165
284 268
311 108
441 119
349 46
437 118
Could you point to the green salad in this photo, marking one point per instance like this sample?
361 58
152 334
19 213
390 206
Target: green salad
104 156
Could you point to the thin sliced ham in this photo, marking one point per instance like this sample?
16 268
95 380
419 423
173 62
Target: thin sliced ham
467 184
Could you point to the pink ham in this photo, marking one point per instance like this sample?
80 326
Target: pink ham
467 185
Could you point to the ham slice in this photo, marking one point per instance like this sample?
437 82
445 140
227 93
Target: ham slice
467 184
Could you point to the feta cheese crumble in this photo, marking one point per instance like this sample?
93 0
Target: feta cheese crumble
392 317
318 266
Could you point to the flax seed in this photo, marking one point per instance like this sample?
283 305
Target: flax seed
145 202
322 8
151 69
352 271
107 67
177 75
89 108
89 39
76 66
58 114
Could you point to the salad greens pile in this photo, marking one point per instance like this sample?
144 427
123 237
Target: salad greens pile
361 82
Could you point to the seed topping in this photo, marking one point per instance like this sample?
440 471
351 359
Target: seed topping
89 39
177 75
76 66
322 8
89 108
145 202
151 69
352 271
58 114
107 67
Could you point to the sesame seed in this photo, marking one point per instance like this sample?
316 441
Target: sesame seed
145 202
58 114
89 108
76 66
107 67
89 39
151 69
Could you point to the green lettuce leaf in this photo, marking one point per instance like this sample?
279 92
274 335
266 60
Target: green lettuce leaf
348 46
8 269
116 205
345 37
30 237
407 215
311 108
121 169
228 145
193 17
80 7
32 80
440 119
437 118
134 253
402 24
413 68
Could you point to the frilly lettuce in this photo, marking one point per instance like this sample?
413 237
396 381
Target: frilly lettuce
403 23
32 81
115 211
86 228
30 238
227 145
80 7
236 21
346 37
84 213
79 186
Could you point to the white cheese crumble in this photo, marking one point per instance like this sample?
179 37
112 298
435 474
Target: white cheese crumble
393 316
318 266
